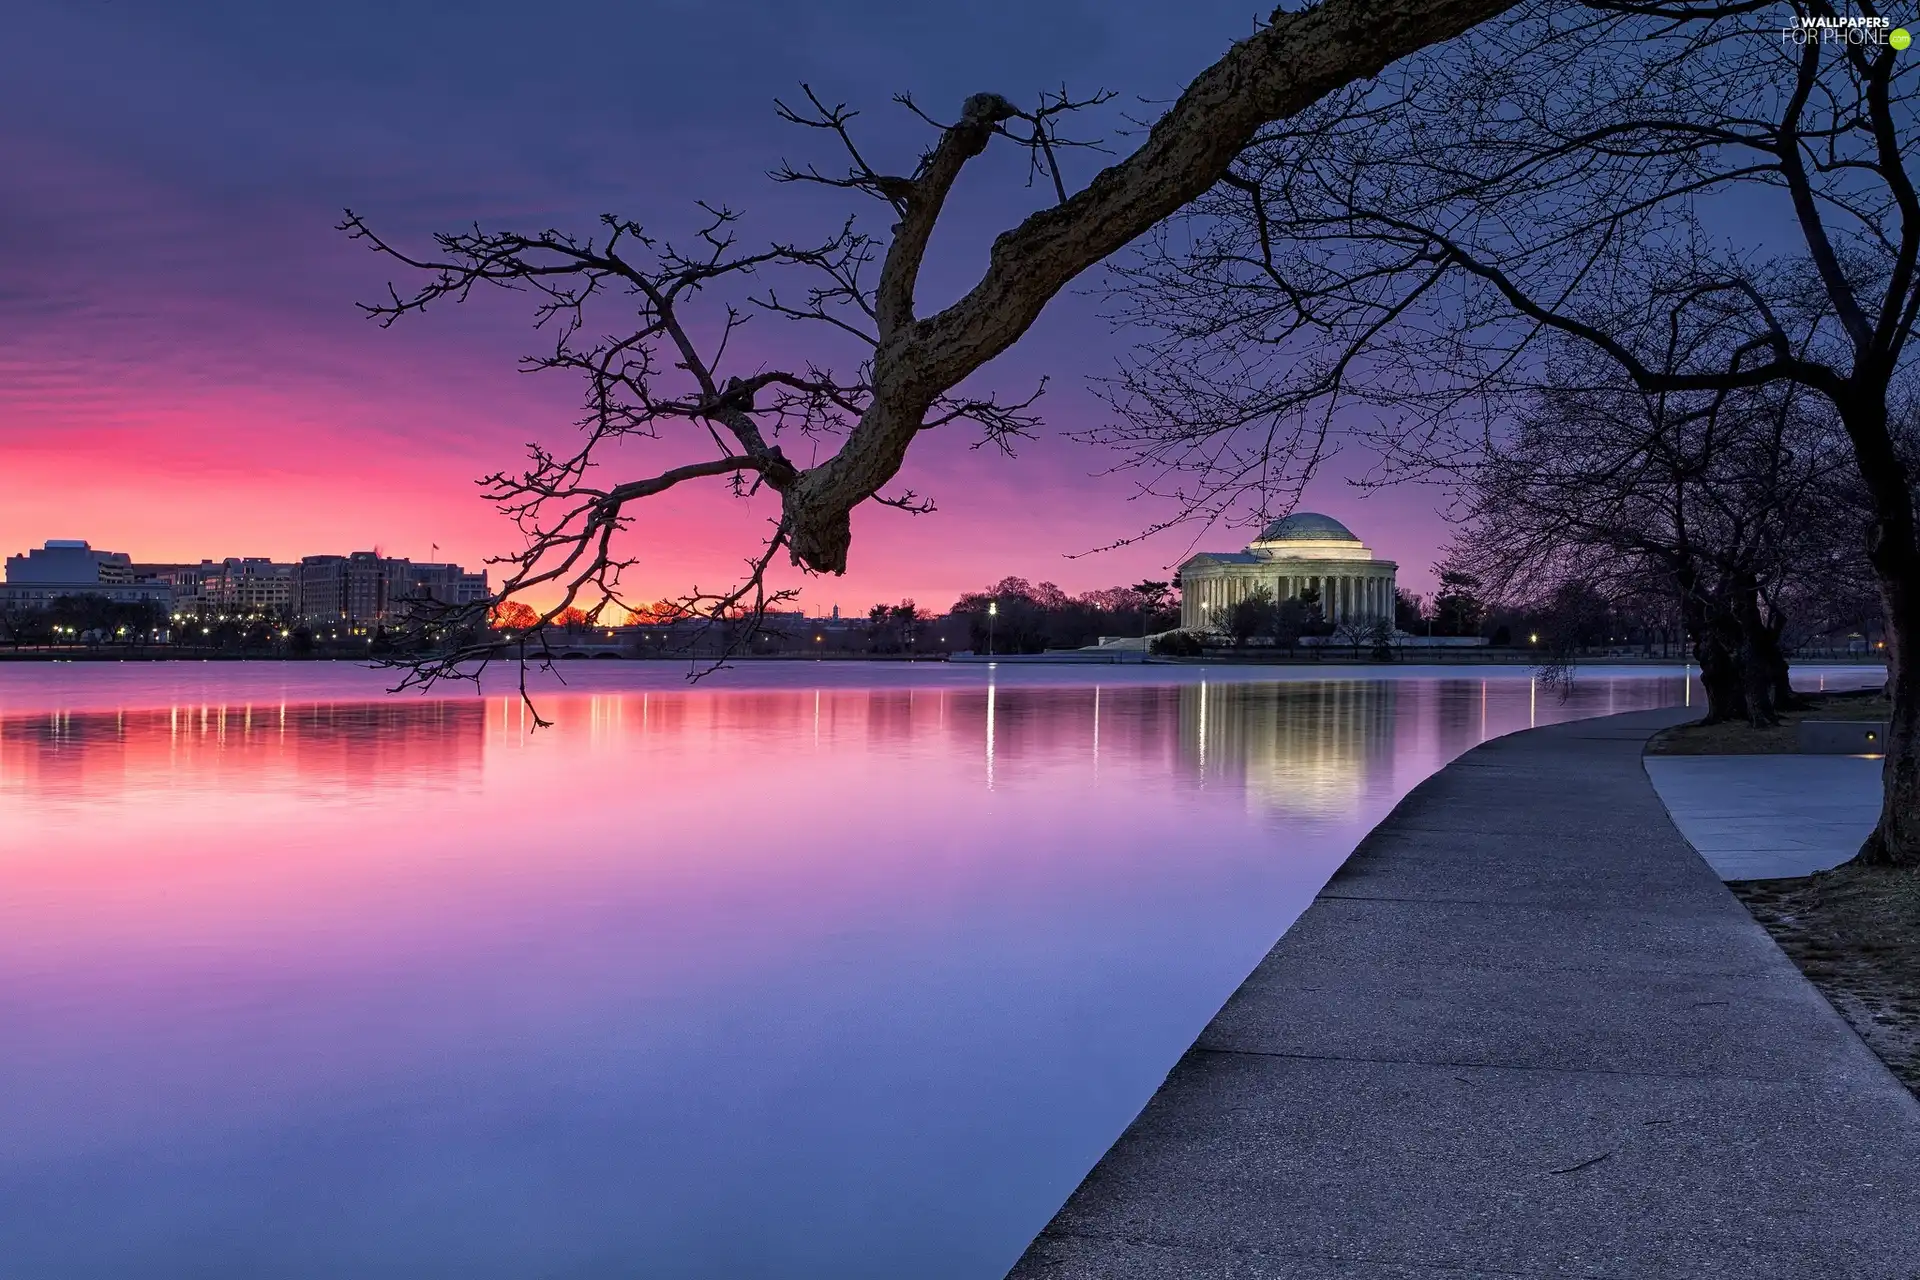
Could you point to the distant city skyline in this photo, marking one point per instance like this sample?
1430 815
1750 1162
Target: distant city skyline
816 603
359 587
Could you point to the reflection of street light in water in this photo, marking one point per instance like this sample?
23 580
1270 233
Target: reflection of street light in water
990 693
993 611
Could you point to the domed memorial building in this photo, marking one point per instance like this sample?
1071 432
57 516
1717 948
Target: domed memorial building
1291 555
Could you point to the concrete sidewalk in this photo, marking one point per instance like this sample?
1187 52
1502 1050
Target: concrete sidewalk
1525 1031
1762 817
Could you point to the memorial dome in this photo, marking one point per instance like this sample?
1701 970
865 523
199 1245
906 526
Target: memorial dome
1306 526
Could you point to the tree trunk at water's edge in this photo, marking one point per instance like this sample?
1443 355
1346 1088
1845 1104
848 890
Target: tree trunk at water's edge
1784 696
1896 840
1719 660
1757 651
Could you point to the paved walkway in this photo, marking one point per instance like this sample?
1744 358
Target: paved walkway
1760 817
1525 1031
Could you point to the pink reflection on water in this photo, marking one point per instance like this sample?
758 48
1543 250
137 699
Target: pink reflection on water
348 987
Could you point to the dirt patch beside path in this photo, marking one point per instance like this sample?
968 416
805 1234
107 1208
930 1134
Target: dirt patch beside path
1738 738
1855 933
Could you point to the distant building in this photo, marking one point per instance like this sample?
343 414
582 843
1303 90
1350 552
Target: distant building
446 583
250 585
68 567
1291 556
366 589
185 579
237 584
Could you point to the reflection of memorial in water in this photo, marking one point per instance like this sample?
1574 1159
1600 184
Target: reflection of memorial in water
1303 747
246 747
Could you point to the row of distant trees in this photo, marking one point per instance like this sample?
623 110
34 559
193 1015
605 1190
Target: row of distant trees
1017 616
1011 616
97 618
1558 618
99 621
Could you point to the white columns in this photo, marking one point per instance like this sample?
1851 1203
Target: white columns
1350 592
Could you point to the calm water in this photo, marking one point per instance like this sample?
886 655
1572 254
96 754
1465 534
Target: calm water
815 970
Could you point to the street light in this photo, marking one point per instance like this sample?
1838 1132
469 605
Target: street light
993 611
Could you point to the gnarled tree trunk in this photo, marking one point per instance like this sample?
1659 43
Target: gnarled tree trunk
1896 840
1720 676
1775 656
1756 654
1713 648
1894 552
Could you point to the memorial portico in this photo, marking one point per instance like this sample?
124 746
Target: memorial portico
1292 556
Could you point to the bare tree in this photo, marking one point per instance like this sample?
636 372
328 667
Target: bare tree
1356 632
1574 614
1396 255
1726 503
652 377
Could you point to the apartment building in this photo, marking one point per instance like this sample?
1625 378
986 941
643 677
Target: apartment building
365 588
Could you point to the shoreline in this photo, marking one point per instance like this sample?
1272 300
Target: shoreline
1408 658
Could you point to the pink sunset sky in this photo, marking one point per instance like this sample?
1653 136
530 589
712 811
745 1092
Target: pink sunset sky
183 373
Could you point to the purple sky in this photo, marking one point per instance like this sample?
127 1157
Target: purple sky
182 372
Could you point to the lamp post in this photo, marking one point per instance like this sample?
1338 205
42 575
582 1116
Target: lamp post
993 611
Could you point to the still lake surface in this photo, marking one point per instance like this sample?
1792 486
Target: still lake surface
815 969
